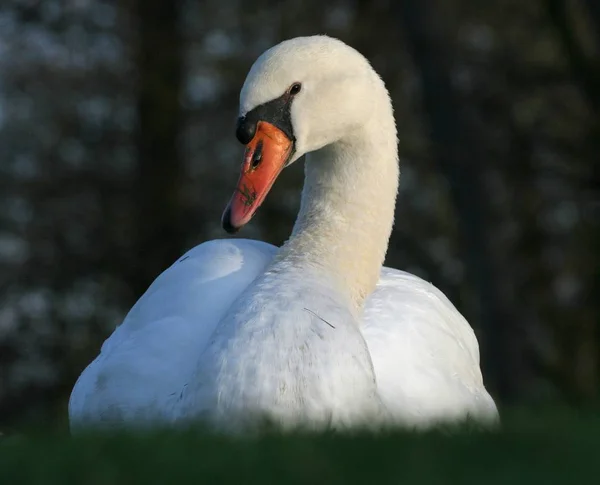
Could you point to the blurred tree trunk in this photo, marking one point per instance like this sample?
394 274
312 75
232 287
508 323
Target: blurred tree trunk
456 146
593 8
585 73
159 228
594 241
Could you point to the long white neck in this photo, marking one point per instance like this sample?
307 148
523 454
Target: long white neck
347 209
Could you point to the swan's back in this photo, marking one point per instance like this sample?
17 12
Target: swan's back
144 365
425 354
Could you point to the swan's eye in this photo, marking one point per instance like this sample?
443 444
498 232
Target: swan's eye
295 88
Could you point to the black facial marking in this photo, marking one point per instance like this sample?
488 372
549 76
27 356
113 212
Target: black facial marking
245 130
277 112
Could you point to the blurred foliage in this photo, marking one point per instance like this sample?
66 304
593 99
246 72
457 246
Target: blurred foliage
116 134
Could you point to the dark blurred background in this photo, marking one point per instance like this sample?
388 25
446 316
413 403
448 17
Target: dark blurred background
117 153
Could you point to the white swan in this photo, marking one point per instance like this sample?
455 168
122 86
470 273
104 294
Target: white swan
315 333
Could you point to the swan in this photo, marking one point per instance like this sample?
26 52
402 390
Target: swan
316 333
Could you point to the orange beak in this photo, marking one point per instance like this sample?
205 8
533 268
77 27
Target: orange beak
266 156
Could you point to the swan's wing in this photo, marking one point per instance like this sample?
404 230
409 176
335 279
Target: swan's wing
425 354
145 363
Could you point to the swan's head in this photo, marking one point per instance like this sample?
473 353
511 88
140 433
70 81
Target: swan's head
299 96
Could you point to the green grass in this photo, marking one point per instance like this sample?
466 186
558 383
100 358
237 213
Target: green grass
530 448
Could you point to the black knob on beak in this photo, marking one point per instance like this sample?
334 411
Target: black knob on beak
246 129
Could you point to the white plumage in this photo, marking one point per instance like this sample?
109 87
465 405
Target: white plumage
315 333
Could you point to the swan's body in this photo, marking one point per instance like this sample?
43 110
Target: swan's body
315 333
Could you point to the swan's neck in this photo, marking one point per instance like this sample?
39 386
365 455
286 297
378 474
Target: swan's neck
347 209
